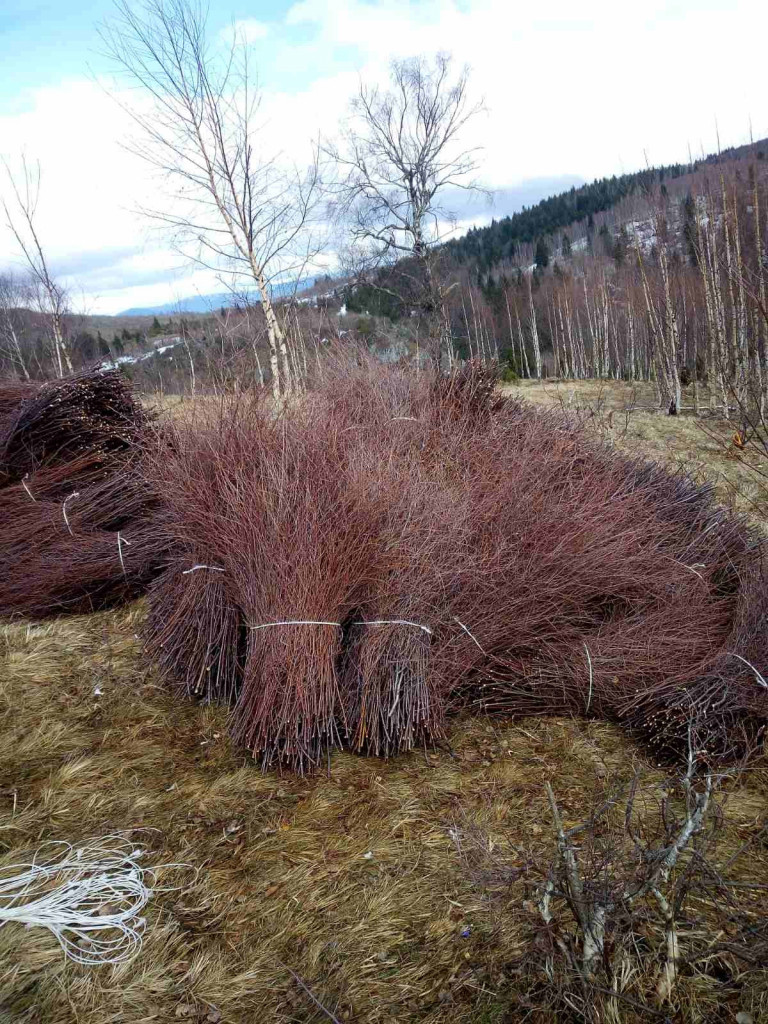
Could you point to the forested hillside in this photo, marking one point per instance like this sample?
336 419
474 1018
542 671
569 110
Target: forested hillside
662 278
488 247
500 243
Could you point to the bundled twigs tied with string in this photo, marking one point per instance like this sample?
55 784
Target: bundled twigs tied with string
75 512
92 413
544 573
352 569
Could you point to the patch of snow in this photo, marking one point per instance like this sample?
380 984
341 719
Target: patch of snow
108 364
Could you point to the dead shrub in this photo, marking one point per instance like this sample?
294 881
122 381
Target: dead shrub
644 911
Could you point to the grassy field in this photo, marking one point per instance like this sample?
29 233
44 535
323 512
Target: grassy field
625 415
386 891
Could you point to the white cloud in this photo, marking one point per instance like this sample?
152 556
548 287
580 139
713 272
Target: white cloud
248 30
585 89
90 186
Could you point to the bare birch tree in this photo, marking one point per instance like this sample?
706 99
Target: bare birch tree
13 297
232 205
534 333
49 297
400 156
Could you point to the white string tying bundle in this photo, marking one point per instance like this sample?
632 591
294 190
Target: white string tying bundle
371 622
24 485
470 635
90 897
213 568
758 677
120 543
74 494
295 622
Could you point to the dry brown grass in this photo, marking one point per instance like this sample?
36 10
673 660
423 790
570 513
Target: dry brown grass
702 447
285 882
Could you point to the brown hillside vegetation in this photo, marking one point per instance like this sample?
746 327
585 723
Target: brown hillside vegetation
399 890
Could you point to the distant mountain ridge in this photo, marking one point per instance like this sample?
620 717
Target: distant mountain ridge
214 301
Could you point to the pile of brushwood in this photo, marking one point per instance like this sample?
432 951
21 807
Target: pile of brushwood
75 512
354 568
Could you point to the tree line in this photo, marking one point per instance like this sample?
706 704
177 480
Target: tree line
620 278
680 300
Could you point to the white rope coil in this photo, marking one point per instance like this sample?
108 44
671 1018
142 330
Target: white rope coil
90 897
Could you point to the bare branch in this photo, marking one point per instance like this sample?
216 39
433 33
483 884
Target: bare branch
50 297
398 154
234 208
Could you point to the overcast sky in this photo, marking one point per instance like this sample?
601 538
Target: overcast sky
573 91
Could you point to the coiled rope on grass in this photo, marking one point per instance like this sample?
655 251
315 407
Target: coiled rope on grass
90 896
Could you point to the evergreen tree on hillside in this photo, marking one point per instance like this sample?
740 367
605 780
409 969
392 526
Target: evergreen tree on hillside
541 255
590 233
621 246
84 344
565 247
688 217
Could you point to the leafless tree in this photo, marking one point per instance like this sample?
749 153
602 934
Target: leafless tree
640 899
231 205
400 157
49 297
14 295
